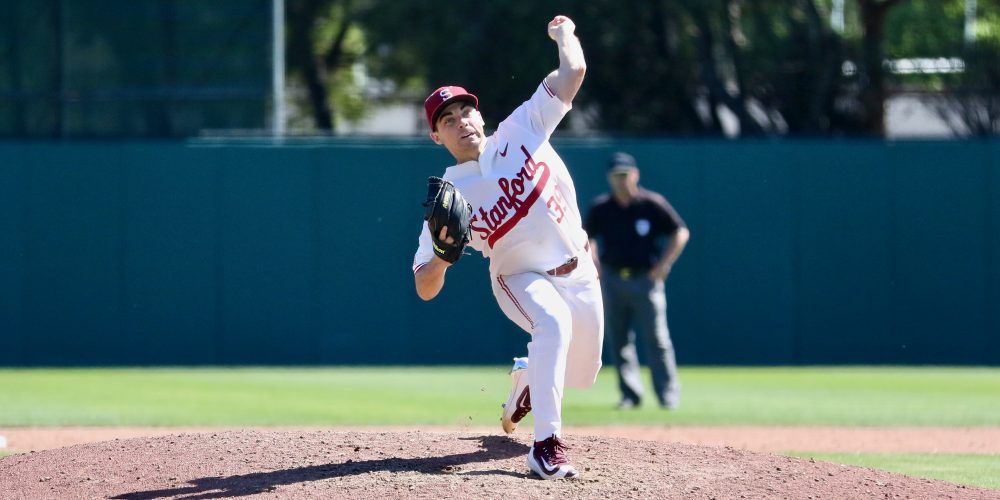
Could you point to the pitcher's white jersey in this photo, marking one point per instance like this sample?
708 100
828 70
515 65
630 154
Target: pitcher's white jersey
525 214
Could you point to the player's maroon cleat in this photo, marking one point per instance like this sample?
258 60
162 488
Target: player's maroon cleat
548 459
519 402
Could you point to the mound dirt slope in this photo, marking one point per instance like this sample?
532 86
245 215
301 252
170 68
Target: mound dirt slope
337 464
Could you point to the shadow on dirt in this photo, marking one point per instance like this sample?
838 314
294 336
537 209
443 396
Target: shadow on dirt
491 448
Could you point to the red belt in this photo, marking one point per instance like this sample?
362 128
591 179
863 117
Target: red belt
564 269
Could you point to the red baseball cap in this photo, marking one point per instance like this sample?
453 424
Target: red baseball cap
442 97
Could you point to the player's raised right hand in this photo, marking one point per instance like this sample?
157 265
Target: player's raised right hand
561 26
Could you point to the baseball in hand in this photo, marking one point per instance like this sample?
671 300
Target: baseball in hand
560 26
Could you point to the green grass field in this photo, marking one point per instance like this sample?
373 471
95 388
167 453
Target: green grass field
849 396
977 470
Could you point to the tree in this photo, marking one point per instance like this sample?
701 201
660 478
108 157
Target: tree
967 97
323 40
775 65
971 104
497 50
873 93
654 66
679 67
642 71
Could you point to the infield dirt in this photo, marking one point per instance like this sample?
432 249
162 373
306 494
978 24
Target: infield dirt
416 464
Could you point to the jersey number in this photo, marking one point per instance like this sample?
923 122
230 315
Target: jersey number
555 204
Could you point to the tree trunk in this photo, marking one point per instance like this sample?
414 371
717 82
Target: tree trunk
824 48
731 19
330 63
19 128
713 81
59 82
873 95
664 31
319 98
301 23
709 75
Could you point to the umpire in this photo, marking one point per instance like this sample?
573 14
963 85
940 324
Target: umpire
641 236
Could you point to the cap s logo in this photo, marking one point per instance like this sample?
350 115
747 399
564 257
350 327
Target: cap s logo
445 94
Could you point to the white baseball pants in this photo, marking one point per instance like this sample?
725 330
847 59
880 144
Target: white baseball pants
565 317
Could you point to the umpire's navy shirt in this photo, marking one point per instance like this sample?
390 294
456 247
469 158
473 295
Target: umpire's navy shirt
632 236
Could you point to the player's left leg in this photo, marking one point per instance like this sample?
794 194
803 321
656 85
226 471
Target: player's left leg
532 301
582 291
536 303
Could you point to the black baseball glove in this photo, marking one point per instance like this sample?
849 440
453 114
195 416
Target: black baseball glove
445 206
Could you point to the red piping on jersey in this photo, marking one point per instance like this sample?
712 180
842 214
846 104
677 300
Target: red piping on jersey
503 284
547 89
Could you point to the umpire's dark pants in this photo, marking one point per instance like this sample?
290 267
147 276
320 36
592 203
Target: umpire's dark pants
635 301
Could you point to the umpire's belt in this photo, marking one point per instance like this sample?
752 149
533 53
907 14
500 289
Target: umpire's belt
564 269
629 272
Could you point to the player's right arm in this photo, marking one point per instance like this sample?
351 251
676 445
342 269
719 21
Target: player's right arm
428 275
553 98
566 81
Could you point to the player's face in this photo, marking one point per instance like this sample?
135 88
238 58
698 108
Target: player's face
460 129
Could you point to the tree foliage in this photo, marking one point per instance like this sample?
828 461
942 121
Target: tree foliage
497 50
968 101
659 66
680 67
323 41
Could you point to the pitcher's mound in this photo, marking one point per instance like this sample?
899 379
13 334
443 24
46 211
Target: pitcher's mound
332 464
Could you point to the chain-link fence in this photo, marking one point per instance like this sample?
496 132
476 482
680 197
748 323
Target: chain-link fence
133 68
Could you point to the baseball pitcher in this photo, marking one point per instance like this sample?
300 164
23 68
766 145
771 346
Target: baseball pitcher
511 198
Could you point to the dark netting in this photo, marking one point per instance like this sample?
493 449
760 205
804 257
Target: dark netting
121 68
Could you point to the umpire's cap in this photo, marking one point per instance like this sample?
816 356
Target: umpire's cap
621 163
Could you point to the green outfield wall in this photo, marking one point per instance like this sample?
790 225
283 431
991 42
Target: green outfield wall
805 252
